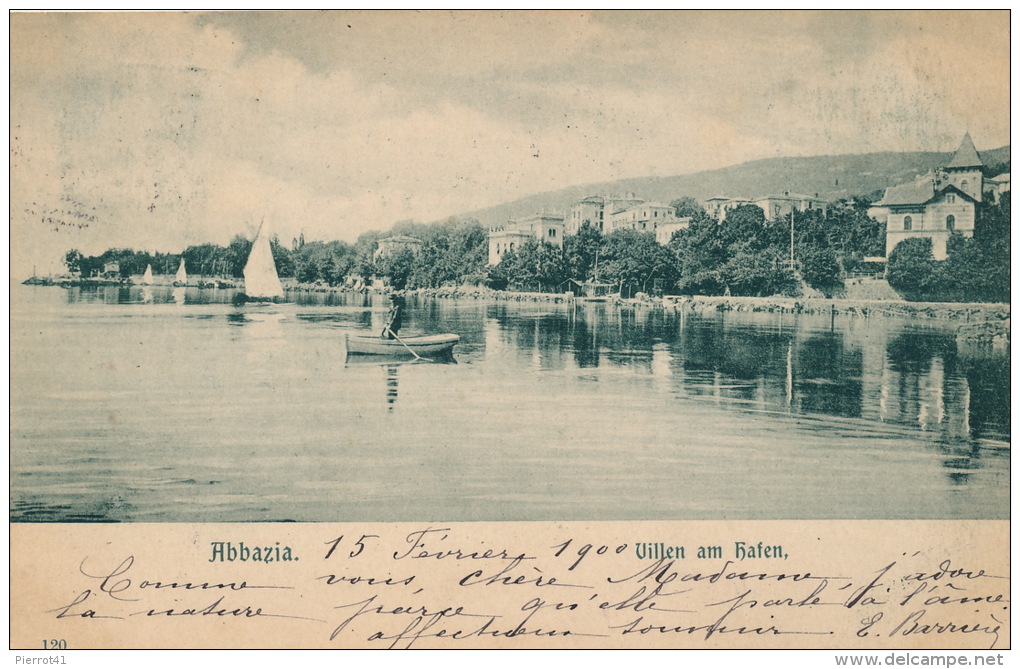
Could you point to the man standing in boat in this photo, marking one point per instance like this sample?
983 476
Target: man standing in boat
394 317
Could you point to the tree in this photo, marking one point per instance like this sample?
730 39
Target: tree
852 234
364 249
397 267
282 257
534 265
913 271
745 224
815 241
581 252
73 259
819 268
450 251
328 262
700 252
756 272
687 207
635 259
977 268
237 255
204 259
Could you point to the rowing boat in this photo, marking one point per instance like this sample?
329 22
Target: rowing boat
428 346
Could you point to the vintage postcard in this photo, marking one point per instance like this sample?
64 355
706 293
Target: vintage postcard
518 330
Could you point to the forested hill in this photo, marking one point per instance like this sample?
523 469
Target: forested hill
832 177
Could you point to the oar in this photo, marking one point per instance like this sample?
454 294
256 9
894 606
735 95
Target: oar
404 343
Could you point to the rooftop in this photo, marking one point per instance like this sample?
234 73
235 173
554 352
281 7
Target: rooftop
790 196
915 192
403 239
966 155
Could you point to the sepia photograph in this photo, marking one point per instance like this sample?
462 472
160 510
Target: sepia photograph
508 267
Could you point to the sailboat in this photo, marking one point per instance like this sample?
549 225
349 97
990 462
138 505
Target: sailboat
182 275
147 277
261 282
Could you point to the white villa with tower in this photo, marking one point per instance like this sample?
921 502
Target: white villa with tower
937 204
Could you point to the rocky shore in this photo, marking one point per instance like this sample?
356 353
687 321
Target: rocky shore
966 312
65 281
981 325
989 333
976 313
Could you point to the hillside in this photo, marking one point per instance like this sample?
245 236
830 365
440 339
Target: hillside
832 177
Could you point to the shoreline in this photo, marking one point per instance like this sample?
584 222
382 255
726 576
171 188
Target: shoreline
961 311
980 322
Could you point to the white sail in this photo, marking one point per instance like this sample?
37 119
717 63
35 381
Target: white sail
182 274
147 277
260 277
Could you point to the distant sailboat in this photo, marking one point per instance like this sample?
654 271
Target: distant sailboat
261 282
147 277
182 275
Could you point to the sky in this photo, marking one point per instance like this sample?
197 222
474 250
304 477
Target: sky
155 131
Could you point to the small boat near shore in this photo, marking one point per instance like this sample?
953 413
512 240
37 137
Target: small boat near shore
430 346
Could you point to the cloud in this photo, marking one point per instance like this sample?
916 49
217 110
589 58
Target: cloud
175 128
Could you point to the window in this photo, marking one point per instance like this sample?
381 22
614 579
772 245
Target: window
908 223
950 222
950 198
552 232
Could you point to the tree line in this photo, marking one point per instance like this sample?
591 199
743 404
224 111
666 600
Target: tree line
207 260
453 251
746 255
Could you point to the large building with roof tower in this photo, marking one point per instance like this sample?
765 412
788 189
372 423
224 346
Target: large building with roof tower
935 205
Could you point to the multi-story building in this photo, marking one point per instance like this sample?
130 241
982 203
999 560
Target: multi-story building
543 227
717 207
779 206
642 216
935 205
591 211
664 231
596 211
774 206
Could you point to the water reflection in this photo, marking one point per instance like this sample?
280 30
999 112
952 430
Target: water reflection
392 389
859 370
677 415
896 374
923 385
